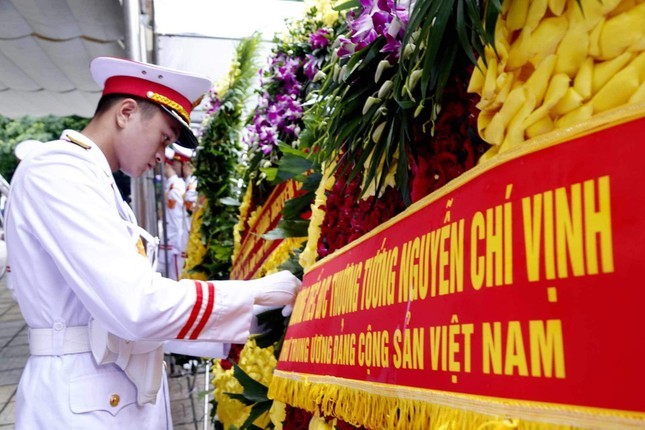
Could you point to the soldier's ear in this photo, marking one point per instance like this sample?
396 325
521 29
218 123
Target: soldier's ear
125 110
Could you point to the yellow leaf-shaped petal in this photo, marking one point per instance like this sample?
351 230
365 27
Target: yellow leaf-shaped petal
477 78
594 39
624 6
639 63
540 78
496 129
557 89
519 52
583 80
617 91
607 7
516 16
557 6
546 37
537 115
605 70
639 95
505 83
483 119
570 101
502 44
541 126
492 152
515 130
588 15
488 91
572 51
622 31
576 116
537 9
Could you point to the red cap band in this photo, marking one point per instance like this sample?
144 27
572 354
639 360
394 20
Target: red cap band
140 87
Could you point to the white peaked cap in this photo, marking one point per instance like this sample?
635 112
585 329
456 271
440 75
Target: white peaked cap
186 154
170 153
175 91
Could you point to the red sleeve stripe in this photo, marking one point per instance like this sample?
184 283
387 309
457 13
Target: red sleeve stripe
207 312
193 314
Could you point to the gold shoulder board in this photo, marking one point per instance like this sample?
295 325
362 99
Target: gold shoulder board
78 142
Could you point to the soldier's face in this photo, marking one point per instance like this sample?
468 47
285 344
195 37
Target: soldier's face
147 138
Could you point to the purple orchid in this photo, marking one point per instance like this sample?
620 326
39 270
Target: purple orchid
319 39
378 18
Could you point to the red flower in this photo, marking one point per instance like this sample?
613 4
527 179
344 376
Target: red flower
233 355
455 146
347 217
296 419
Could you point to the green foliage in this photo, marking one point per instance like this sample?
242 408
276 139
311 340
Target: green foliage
217 165
254 394
14 131
366 110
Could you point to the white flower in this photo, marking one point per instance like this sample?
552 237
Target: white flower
369 102
414 79
378 131
385 89
382 65
319 76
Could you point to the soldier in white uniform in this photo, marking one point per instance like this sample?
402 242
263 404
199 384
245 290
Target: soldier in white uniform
25 147
187 155
98 313
183 161
170 249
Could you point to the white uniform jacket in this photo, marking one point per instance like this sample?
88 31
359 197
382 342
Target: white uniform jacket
190 202
170 259
72 257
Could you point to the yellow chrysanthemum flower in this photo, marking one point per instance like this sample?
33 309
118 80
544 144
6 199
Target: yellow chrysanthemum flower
278 413
319 423
326 13
242 221
310 253
280 255
195 249
258 363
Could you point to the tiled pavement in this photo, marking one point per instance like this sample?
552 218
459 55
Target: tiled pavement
187 404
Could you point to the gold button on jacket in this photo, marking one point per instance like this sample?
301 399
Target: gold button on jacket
114 400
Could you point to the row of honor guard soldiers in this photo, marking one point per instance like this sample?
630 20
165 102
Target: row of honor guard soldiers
180 198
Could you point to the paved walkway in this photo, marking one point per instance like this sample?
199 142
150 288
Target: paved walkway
187 404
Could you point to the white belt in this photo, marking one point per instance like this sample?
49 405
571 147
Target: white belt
59 340
142 361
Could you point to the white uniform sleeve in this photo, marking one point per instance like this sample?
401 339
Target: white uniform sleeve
70 209
198 349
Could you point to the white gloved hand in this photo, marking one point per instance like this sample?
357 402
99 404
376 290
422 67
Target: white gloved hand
276 290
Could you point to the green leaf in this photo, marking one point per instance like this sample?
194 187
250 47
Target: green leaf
292 167
270 172
312 180
347 5
241 398
257 410
288 228
296 206
435 42
253 390
461 31
288 149
491 11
